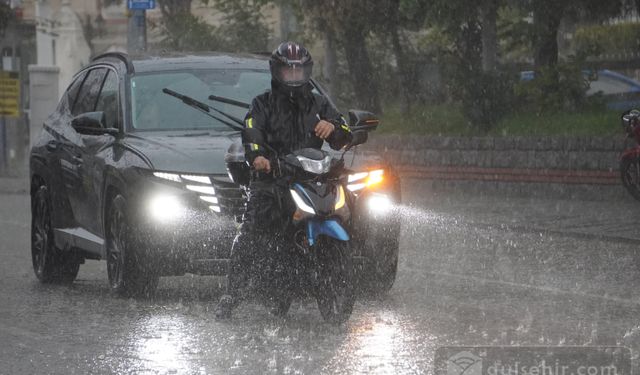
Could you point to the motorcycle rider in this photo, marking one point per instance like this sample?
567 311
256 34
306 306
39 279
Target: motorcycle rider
290 117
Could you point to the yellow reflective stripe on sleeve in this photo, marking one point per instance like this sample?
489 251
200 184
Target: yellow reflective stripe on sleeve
249 123
254 147
344 125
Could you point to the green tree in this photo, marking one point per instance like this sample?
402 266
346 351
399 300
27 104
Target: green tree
242 30
350 22
184 31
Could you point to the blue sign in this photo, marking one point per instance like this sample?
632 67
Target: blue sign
141 4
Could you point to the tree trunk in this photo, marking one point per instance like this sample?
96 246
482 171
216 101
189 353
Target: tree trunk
489 15
547 15
361 70
330 67
404 71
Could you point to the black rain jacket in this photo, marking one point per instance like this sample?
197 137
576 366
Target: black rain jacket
288 121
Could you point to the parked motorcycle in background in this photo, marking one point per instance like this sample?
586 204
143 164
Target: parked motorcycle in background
630 158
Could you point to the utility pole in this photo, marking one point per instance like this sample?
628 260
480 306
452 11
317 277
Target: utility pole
137 28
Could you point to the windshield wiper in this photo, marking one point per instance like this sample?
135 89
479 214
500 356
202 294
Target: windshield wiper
206 109
229 101
190 134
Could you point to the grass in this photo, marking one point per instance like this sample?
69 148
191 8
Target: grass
447 120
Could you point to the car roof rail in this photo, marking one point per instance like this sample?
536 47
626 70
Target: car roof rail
123 56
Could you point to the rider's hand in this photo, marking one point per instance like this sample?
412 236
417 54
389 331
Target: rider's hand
324 129
261 164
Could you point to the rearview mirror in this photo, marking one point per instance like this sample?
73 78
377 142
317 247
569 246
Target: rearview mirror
362 120
92 123
358 137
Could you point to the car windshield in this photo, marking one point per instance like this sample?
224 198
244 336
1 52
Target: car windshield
154 110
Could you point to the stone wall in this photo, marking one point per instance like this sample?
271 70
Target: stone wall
567 153
558 167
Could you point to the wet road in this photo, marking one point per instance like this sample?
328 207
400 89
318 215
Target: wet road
473 271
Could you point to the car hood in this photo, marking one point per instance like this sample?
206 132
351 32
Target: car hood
193 152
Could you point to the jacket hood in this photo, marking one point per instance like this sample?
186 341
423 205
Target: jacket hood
184 152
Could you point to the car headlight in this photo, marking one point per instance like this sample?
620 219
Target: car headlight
359 181
166 208
200 184
379 203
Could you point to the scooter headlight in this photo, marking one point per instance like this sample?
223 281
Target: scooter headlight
315 166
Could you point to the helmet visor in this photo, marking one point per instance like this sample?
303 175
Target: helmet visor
293 75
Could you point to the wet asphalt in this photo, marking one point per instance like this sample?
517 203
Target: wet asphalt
473 271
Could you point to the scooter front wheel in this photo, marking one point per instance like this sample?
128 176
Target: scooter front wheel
335 294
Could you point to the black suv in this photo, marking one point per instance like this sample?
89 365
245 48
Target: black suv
129 170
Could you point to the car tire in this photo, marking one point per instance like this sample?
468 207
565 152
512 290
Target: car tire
630 174
385 276
382 268
49 263
129 273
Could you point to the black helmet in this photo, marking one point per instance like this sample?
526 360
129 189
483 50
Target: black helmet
291 64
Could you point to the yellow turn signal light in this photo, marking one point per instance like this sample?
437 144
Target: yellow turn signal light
340 200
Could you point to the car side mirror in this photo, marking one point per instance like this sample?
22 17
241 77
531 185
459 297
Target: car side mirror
92 123
362 120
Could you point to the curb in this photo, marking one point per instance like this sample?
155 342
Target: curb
556 176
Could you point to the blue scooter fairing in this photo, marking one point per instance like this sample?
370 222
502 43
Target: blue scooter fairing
330 228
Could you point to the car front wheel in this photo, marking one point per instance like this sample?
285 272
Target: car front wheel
129 273
49 264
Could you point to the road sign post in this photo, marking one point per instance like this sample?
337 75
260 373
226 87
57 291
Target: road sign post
9 107
137 28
